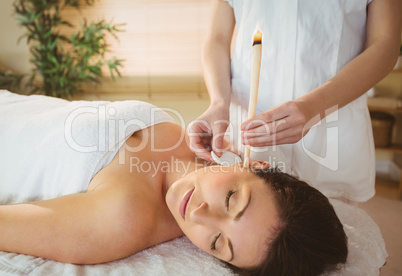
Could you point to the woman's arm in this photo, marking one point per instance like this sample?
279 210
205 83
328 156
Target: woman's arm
216 69
290 121
83 228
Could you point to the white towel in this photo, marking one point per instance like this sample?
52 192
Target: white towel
367 253
51 147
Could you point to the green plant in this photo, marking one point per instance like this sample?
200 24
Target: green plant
62 63
10 80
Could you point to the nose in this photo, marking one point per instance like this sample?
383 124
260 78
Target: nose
206 216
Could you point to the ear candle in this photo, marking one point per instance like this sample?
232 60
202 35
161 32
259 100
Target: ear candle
255 79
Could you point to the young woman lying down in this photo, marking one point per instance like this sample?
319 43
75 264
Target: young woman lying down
258 220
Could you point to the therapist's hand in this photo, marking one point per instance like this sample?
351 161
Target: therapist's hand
286 123
207 132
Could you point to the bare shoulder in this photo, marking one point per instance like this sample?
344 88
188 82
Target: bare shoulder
134 208
165 135
133 219
128 218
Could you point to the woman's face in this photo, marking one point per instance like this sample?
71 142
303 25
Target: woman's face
227 212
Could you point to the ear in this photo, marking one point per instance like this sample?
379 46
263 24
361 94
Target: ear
259 165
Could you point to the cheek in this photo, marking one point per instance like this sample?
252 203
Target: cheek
199 236
216 181
169 201
173 196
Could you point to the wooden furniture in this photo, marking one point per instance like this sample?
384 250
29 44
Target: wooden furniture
386 187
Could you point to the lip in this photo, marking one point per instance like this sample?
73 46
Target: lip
184 203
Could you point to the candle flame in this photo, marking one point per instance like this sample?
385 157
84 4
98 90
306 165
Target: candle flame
257 38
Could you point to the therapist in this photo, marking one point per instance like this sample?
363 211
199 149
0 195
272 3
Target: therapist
318 60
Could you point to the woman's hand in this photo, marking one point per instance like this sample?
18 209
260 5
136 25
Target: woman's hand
286 123
207 132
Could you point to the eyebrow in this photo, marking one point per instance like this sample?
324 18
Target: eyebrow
237 217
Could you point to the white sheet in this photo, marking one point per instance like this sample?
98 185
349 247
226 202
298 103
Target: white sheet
41 116
179 257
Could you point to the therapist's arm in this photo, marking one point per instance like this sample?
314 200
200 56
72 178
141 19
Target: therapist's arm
289 122
206 132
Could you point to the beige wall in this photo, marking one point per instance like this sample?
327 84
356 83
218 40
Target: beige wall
181 97
188 106
12 55
190 103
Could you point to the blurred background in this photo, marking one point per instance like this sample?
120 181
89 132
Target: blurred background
160 45
161 48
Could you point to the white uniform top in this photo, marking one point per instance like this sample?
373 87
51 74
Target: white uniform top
305 43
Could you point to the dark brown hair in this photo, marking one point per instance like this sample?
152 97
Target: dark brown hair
310 238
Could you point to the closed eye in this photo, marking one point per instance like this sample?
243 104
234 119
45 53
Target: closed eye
213 243
227 201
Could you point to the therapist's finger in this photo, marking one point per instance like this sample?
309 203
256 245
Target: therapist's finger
201 146
202 150
272 115
264 141
218 133
200 137
291 135
267 128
